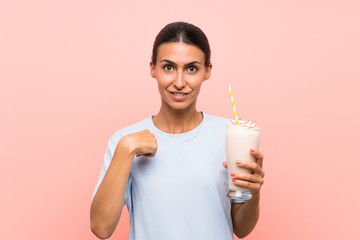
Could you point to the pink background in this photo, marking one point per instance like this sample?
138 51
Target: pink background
74 72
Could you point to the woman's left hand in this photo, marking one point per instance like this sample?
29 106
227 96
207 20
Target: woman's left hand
254 180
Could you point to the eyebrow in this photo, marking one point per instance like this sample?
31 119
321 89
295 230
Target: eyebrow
190 63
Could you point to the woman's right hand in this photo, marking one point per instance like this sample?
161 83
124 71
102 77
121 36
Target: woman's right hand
141 143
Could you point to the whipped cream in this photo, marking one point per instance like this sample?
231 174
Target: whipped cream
245 123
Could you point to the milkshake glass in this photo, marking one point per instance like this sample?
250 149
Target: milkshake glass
239 140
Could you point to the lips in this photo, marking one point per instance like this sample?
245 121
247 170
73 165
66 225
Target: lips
179 96
179 93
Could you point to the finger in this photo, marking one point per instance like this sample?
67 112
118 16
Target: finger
146 155
150 151
141 155
154 152
248 177
149 155
246 184
253 166
225 164
258 155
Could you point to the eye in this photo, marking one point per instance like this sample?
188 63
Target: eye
192 69
168 67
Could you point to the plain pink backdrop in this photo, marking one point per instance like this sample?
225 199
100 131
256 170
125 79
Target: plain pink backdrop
74 72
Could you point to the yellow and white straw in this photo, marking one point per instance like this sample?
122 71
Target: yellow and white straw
233 105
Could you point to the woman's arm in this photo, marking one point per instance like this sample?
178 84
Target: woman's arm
108 201
245 215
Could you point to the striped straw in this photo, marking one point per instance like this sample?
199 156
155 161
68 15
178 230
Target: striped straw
233 105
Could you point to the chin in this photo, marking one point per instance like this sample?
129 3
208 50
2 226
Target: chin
180 105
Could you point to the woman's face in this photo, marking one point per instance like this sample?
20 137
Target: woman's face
179 70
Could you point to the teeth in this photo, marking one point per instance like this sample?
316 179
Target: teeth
179 94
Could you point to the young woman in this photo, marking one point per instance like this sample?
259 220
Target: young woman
170 169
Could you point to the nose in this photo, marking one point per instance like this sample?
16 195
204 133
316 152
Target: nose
179 82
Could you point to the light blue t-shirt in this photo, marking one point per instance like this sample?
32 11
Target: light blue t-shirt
180 193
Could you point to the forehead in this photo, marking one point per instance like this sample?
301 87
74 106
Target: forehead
179 52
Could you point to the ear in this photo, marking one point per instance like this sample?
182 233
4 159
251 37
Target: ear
152 69
208 72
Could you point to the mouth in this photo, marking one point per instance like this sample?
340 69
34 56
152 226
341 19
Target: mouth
179 93
179 96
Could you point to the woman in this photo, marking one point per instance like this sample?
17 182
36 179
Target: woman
167 168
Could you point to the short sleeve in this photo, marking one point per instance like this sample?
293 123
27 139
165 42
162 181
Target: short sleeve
109 153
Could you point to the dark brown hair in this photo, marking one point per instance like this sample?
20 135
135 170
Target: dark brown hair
182 32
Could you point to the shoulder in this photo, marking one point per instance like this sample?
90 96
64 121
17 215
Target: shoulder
214 121
136 127
215 126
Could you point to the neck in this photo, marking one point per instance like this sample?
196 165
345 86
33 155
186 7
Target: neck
177 121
